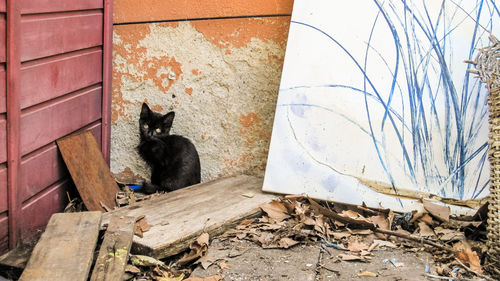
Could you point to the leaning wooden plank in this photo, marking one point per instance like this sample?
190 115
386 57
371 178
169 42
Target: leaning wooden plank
179 217
110 264
66 248
89 171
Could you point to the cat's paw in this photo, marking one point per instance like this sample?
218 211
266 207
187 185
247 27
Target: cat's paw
149 188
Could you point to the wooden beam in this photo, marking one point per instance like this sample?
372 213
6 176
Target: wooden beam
113 255
66 248
177 218
89 171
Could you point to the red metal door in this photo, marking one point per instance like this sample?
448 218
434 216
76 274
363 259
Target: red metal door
55 79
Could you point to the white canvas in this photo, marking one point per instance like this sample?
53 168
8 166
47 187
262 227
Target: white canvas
376 93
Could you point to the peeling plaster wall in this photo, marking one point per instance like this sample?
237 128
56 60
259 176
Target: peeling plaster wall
220 76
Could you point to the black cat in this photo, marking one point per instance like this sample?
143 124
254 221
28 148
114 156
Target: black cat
173 159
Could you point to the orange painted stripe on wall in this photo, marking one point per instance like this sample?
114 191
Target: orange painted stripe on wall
129 11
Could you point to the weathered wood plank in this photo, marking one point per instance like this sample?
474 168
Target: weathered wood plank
3 5
179 217
51 200
2 37
3 93
17 257
43 36
4 232
3 140
89 171
113 254
3 188
52 77
46 6
66 248
44 124
45 166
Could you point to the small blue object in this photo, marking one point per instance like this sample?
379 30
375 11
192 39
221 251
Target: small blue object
455 270
385 261
427 269
135 187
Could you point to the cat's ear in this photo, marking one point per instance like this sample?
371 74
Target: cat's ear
145 111
168 119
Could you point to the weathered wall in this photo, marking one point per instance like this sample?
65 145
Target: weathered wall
221 77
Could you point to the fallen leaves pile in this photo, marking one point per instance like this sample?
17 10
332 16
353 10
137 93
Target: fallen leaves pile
359 230
457 244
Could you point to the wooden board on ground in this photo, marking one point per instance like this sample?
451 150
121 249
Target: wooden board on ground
89 171
18 257
66 248
113 255
179 217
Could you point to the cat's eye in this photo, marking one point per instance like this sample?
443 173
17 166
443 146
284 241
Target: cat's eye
146 126
158 130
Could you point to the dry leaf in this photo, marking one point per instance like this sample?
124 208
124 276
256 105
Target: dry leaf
468 257
223 265
197 249
381 221
382 243
132 269
210 278
346 257
275 210
178 278
367 274
340 235
140 260
439 212
425 230
287 243
357 246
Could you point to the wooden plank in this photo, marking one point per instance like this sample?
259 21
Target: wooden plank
66 248
3 6
89 171
46 6
2 37
179 217
3 93
156 10
113 254
56 76
4 233
3 188
18 257
36 212
3 140
43 36
45 166
43 124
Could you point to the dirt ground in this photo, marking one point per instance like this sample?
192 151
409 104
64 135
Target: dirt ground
244 260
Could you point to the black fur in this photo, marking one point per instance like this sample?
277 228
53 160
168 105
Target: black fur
173 159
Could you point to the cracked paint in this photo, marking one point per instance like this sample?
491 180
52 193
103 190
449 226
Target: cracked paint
221 77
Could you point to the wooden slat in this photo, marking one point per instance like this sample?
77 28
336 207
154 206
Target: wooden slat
3 93
46 6
4 233
2 37
179 217
53 77
113 254
37 211
3 6
89 171
43 36
3 140
66 248
156 10
45 124
45 166
3 188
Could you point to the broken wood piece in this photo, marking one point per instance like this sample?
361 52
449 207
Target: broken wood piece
178 218
113 254
18 257
89 171
66 249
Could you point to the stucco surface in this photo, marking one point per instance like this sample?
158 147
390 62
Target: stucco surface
221 77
